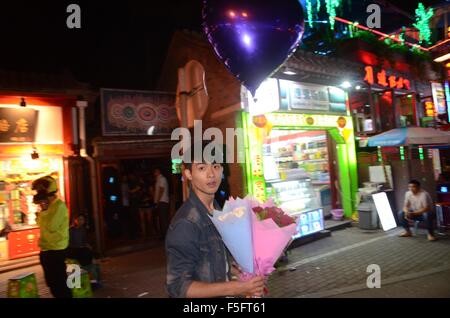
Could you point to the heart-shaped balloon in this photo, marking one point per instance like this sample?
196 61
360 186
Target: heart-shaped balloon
253 37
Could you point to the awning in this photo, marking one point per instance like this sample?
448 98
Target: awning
409 136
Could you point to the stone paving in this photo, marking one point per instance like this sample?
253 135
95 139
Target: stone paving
334 266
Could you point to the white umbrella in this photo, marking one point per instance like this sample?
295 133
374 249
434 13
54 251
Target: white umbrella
410 136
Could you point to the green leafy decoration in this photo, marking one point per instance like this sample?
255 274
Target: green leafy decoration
423 17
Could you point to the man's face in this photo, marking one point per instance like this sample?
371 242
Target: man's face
156 173
205 177
414 188
43 204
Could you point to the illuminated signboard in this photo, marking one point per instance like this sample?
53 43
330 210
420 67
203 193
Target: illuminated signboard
439 98
309 223
287 119
384 211
386 80
18 124
302 96
266 98
447 96
429 109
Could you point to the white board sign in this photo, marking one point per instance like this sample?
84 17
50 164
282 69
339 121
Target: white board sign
384 211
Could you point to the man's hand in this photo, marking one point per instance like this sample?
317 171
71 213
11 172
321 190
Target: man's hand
252 287
413 214
235 269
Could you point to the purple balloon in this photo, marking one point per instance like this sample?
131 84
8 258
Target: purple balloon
253 37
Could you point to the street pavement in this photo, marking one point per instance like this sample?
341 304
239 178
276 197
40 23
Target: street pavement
334 266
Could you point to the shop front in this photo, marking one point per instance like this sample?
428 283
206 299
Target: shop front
34 142
135 139
302 155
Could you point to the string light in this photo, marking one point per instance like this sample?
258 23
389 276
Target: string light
331 6
402 153
421 157
309 10
423 17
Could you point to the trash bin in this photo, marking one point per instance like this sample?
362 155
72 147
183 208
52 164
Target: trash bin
368 218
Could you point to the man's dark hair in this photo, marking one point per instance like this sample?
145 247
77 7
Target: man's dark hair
415 182
189 156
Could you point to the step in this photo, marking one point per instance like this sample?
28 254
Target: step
7 266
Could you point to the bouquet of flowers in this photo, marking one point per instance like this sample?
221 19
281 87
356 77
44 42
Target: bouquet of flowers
268 210
256 242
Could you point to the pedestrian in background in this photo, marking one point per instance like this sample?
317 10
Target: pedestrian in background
418 207
161 201
134 191
53 220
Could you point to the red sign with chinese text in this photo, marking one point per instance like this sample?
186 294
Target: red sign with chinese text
384 80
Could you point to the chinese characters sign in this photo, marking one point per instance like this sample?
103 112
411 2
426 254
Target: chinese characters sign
301 96
17 124
383 79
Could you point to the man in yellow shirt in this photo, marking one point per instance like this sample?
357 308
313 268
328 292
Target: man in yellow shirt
53 221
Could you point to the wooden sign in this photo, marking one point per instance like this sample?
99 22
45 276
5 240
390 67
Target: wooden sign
17 124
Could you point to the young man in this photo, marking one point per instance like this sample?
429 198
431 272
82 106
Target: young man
419 207
53 220
198 264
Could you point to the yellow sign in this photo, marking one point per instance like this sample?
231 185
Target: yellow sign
295 120
22 126
4 125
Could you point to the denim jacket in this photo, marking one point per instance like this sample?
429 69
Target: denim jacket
194 249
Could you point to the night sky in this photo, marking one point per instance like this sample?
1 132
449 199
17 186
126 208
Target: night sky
121 44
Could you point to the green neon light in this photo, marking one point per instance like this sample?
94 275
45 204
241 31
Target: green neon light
401 36
309 11
331 6
176 166
402 153
353 170
247 154
421 156
345 180
380 156
423 17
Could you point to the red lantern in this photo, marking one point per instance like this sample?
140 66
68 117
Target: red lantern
260 121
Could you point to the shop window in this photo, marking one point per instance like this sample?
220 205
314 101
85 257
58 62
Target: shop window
16 196
297 171
364 121
386 110
405 105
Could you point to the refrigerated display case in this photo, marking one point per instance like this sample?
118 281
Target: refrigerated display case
296 171
297 199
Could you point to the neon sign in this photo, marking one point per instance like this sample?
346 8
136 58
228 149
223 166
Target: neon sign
429 109
384 80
